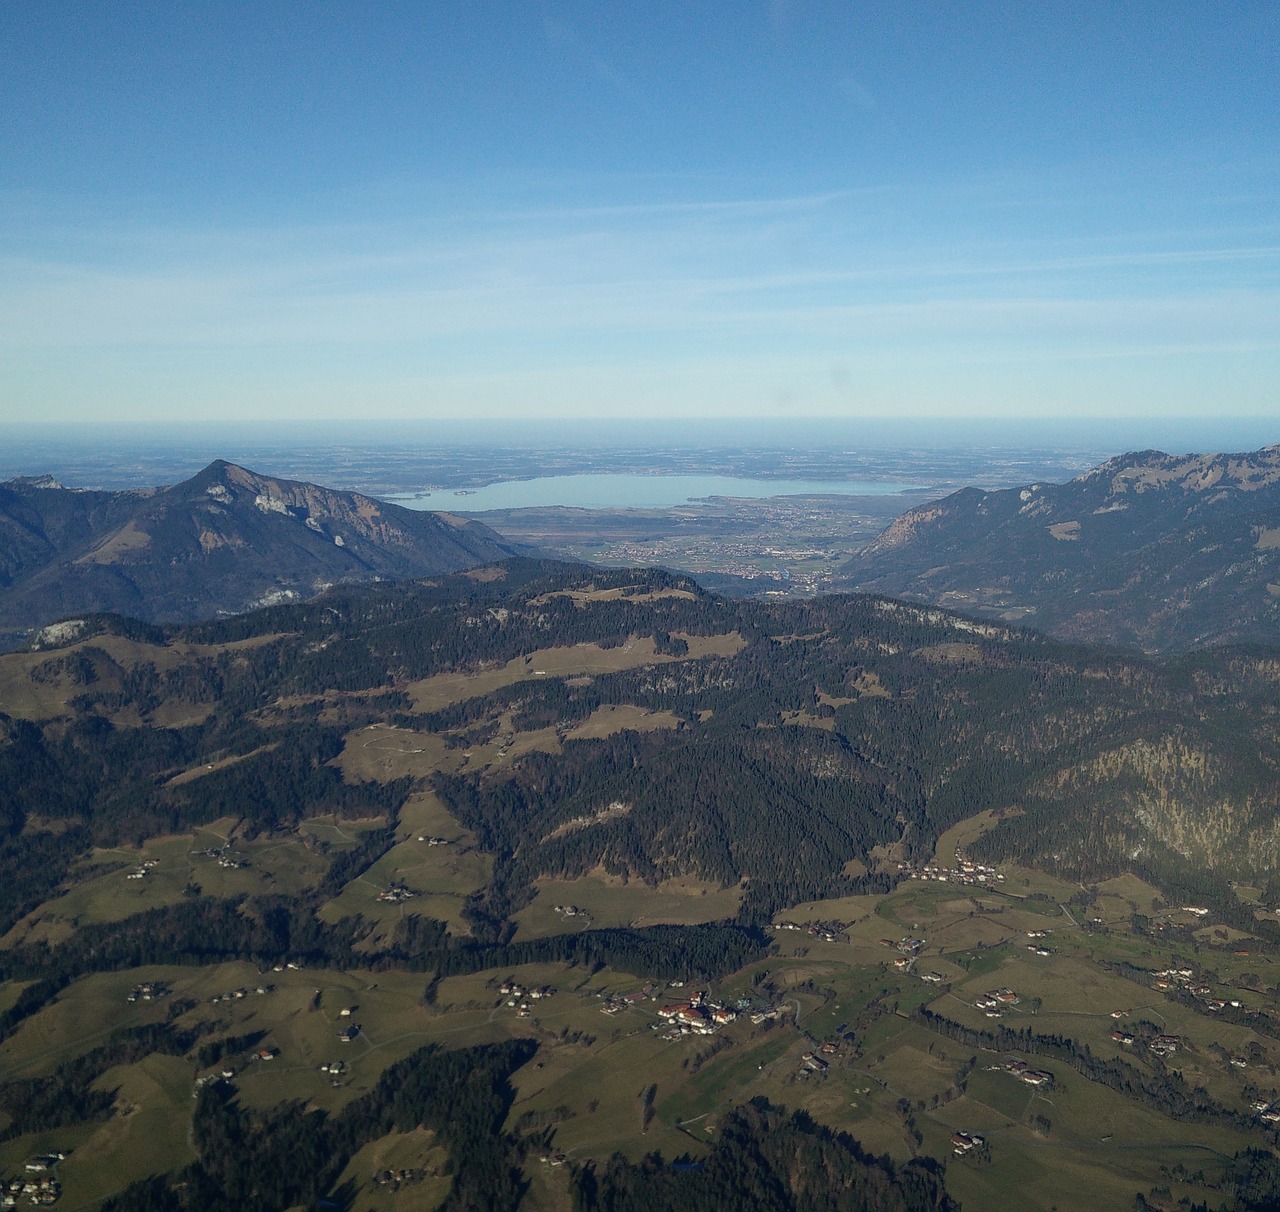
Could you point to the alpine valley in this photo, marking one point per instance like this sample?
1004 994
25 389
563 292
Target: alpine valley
514 883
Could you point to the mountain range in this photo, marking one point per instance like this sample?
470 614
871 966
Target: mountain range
224 541
1148 550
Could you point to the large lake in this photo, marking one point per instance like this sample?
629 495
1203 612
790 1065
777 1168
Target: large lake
616 491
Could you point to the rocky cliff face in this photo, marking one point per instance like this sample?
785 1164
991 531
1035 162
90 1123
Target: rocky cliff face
224 541
1151 550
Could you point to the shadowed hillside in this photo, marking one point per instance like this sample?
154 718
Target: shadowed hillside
1151 550
224 541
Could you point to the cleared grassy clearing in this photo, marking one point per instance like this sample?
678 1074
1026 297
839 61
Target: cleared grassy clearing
442 876
198 772
962 836
147 1135
582 597
1140 896
607 901
445 689
623 717
46 696
846 909
399 1151
381 753
279 864
591 1070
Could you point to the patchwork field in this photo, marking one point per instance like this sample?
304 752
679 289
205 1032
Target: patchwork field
601 1082
602 900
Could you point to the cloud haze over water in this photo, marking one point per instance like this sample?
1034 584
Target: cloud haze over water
580 225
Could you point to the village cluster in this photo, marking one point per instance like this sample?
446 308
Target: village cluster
395 1179
142 870
224 856
521 997
1159 1045
570 911
964 872
1023 1072
825 932
38 1185
394 894
963 1142
227 1073
910 948
811 1062
1184 978
147 991
238 994
1036 946
995 1001
697 1016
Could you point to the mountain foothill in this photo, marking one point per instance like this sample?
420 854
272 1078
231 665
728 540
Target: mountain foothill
1153 551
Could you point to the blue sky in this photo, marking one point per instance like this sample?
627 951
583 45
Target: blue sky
444 211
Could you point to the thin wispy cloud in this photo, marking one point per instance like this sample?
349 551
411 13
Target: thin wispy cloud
664 292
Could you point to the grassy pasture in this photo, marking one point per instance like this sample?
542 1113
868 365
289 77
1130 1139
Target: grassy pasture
442 876
1101 1147
583 597
760 1062
608 901
548 1187
1099 1151
445 689
102 891
961 836
910 1071
147 1135
846 909
622 717
601 1088
86 1013
382 753
35 698
43 698
399 1151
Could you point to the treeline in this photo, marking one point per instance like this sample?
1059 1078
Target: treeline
686 952
372 634
287 1156
91 782
787 808
271 929
1162 1090
768 1161
64 1097
924 721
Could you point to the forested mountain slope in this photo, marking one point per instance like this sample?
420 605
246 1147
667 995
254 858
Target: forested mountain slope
1155 551
226 847
778 747
224 541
